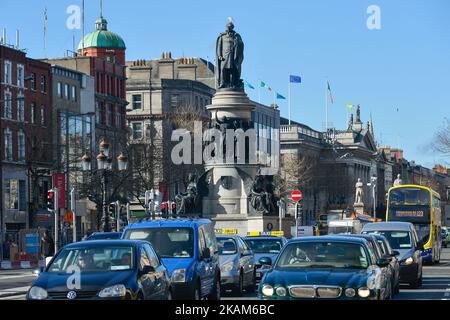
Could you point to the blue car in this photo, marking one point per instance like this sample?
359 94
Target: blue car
264 245
108 270
326 267
188 249
105 236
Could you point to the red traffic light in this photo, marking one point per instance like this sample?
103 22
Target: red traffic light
163 206
50 194
174 206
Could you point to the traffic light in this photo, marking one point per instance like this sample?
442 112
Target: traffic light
174 208
164 208
50 200
112 210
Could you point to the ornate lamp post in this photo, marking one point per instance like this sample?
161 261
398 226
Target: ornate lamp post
104 167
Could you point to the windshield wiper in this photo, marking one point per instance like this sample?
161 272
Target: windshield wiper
320 266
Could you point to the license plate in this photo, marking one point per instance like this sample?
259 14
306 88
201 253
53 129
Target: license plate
258 274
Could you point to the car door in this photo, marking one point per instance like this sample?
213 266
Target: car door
160 275
147 280
203 264
245 261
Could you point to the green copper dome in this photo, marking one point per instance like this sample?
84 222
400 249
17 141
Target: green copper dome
102 38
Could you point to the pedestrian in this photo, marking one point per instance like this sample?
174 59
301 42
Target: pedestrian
48 244
6 246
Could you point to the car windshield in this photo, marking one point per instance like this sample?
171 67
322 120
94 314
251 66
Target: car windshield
397 239
169 242
265 245
323 255
227 246
93 259
340 230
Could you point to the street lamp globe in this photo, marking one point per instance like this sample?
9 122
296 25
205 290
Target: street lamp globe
101 161
122 161
104 146
86 162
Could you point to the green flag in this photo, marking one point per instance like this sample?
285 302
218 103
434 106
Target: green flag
262 84
349 106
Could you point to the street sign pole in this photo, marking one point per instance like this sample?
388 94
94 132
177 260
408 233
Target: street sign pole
128 213
73 209
56 213
118 216
296 219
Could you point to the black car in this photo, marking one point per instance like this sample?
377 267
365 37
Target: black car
105 236
394 264
403 238
111 269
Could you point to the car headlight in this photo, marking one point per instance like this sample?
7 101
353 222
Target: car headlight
350 292
281 291
408 261
37 293
116 291
364 292
227 267
179 275
267 290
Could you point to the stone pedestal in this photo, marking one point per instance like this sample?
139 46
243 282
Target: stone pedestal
227 200
359 207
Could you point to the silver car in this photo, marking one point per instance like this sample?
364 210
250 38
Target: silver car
237 264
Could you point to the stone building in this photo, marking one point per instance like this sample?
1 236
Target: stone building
334 162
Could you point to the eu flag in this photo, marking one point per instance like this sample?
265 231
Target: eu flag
295 79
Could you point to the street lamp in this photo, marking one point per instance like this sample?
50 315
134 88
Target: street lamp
104 167
373 184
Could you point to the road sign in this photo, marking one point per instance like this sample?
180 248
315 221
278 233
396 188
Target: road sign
68 216
296 195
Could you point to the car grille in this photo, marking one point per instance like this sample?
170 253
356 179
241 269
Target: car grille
322 292
81 295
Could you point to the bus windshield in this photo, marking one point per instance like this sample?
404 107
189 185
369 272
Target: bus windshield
409 197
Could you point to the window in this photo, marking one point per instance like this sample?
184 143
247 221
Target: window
8 71
174 101
66 91
137 101
43 115
118 120
8 105
109 115
43 84
137 130
20 75
8 144
154 261
21 108
144 260
33 113
21 146
98 111
33 81
60 89
74 93
12 194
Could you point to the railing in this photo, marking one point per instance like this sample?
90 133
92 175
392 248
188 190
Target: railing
301 130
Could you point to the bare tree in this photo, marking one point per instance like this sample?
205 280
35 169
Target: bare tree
442 138
297 171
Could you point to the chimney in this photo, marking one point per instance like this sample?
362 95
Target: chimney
187 69
166 66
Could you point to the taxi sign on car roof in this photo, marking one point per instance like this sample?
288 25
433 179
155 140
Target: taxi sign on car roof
265 233
225 231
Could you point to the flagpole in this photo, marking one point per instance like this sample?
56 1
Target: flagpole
289 101
259 92
326 109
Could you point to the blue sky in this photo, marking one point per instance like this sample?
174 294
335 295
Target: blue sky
404 66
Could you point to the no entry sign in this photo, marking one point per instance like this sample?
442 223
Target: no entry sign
296 195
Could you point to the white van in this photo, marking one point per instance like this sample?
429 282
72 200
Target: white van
344 227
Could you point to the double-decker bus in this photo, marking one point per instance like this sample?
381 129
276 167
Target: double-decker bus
421 206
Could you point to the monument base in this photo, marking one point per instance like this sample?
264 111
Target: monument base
359 208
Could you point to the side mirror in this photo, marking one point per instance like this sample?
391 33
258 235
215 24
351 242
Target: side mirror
147 269
388 256
395 253
206 253
382 262
265 261
247 253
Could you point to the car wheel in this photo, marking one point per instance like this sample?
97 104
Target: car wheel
140 296
215 294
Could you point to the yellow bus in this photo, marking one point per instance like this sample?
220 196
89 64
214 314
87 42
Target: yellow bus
421 206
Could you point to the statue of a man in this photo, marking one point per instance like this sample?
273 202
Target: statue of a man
229 57
359 192
186 202
398 181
